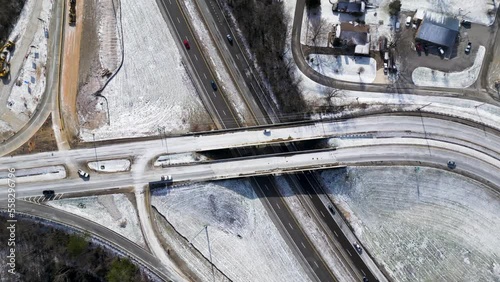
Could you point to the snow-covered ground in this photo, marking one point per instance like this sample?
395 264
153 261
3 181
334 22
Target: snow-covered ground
115 212
421 224
110 165
317 236
24 97
177 159
355 69
231 210
33 174
473 10
423 76
153 89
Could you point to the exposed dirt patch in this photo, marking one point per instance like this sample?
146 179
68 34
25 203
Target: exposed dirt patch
42 141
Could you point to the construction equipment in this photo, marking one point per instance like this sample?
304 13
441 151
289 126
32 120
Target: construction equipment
5 58
72 12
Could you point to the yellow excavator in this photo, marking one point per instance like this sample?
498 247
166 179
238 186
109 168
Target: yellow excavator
5 58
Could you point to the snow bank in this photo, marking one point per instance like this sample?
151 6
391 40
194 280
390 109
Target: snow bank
423 76
177 159
354 69
475 11
34 174
245 244
110 165
153 89
115 212
422 224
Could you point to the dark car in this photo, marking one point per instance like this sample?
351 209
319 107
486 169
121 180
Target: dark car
186 44
452 165
214 86
330 208
467 49
426 49
230 39
466 24
48 193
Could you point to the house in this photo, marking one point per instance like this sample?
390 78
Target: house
355 37
355 8
438 29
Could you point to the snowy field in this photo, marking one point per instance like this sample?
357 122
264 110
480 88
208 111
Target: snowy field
231 210
423 76
23 99
421 224
354 69
110 165
115 212
153 89
473 10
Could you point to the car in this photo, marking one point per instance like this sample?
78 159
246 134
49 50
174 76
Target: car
452 165
467 49
229 38
466 24
83 174
365 279
267 131
441 51
398 26
330 208
408 21
214 86
186 44
419 47
426 49
48 193
357 247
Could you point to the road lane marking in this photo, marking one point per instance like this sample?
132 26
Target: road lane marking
348 252
178 20
170 2
322 213
290 225
303 246
196 57
310 196
224 112
315 263
205 76
267 188
335 233
237 57
278 206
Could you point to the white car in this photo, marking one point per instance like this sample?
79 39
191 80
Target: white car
408 21
357 247
83 173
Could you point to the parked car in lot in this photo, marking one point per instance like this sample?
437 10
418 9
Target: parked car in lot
441 51
468 48
426 49
83 174
465 24
186 44
408 21
357 247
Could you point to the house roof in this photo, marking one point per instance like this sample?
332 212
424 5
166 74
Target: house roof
355 34
350 7
438 29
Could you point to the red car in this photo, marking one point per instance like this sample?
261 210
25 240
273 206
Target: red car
419 47
186 44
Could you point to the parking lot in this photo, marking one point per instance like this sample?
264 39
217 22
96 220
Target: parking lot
454 60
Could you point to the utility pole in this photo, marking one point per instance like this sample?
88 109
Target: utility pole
480 118
423 126
95 151
166 143
210 252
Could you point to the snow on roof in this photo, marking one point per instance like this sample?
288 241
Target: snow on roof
419 15
362 49
350 7
438 29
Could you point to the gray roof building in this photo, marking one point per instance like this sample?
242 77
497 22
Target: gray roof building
438 29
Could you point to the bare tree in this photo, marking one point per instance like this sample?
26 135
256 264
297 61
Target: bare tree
318 28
